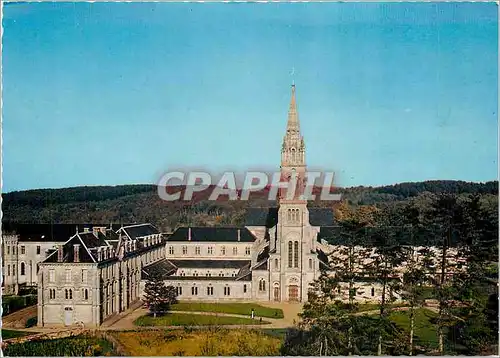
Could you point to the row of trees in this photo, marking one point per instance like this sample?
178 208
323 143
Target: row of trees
457 266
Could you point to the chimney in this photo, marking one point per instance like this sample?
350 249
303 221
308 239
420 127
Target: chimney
59 253
135 245
86 229
95 231
189 234
76 253
239 235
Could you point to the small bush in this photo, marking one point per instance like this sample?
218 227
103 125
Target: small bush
31 322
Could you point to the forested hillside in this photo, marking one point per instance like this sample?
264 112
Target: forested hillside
141 203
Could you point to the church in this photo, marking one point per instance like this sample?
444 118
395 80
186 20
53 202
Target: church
100 272
274 257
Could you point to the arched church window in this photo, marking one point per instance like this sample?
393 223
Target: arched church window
290 254
296 249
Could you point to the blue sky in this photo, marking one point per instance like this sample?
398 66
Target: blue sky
119 93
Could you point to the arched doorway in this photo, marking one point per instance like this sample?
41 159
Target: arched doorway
276 293
293 293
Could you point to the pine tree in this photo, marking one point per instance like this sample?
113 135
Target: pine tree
157 295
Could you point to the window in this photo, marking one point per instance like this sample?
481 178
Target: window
184 250
223 250
235 250
296 254
8 270
23 250
68 275
197 250
310 264
247 250
70 294
52 276
244 288
23 269
171 250
373 291
86 294
38 250
84 276
195 274
179 290
14 272
221 274
52 294
194 291
8 249
37 268
262 285
338 289
290 254
210 291
210 250
66 295
276 264
227 291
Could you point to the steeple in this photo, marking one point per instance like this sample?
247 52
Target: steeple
293 125
293 149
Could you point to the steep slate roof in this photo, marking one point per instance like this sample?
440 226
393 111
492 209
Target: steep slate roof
48 232
135 231
268 217
68 253
163 266
212 234
212 264
88 248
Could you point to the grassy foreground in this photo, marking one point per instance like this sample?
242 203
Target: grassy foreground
232 308
185 319
221 342
80 346
425 331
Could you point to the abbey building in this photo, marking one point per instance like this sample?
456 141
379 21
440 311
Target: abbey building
274 257
91 275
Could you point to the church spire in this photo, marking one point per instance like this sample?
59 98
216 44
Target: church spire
293 125
293 149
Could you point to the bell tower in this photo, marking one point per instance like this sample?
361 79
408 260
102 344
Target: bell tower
294 242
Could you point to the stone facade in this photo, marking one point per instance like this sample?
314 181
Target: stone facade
95 274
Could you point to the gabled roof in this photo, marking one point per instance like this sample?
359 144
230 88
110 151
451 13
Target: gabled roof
268 217
135 231
88 248
48 232
212 234
68 252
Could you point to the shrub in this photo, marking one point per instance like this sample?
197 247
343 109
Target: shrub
31 322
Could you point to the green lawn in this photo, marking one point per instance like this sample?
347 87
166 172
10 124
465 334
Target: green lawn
234 308
424 330
8 333
186 319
